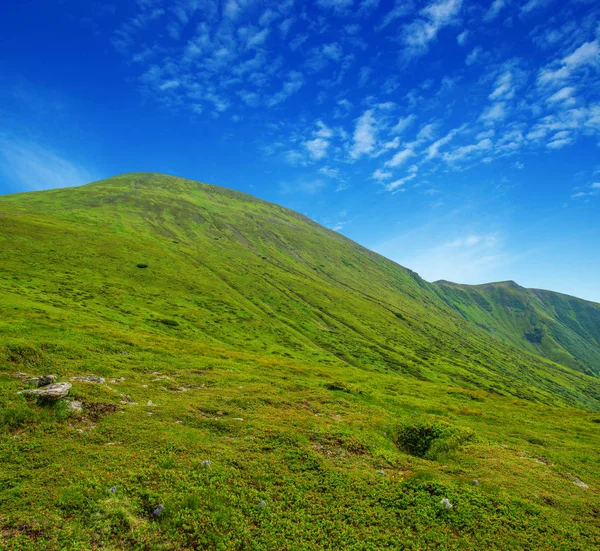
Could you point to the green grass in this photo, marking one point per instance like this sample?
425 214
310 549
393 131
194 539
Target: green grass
339 388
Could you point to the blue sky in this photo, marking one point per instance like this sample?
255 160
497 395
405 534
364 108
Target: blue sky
460 139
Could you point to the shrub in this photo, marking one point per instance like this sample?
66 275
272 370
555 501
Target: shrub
171 323
338 386
430 440
535 336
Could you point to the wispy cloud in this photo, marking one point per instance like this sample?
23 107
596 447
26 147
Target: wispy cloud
417 35
401 157
585 55
586 192
364 135
495 9
27 165
468 258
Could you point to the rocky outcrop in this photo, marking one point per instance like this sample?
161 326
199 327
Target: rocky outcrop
54 391
89 379
44 380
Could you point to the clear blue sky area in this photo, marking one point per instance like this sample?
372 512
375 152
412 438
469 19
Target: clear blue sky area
460 139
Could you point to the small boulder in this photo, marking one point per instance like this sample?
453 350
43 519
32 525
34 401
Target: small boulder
54 391
89 379
578 482
75 405
45 380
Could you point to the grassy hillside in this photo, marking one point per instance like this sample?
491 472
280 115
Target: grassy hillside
558 327
337 396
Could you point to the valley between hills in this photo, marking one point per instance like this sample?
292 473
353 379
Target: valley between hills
244 378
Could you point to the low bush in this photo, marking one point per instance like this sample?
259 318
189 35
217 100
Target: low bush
430 440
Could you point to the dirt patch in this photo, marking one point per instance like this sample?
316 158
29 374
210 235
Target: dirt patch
96 410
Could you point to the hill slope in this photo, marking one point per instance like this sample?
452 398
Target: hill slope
235 272
559 327
337 396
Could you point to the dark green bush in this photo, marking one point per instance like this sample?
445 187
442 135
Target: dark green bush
535 335
142 265
169 322
430 440
338 386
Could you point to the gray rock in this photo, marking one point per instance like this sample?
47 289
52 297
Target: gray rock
45 380
578 482
89 379
75 405
54 391
21 375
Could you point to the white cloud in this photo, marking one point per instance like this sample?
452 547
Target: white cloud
558 143
403 123
364 135
434 149
381 175
473 55
257 39
323 130
427 132
396 184
496 7
291 86
438 14
330 172
587 54
400 9
333 51
401 157
285 26
494 113
504 88
591 190
563 95
532 5
392 144
317 148
336 5
462 37
464 151
470 258
30 166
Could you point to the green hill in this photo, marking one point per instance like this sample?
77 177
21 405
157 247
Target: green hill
558 327
338 396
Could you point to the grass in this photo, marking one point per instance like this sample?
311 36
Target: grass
338 388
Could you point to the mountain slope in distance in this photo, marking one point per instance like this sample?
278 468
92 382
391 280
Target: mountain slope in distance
559 327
